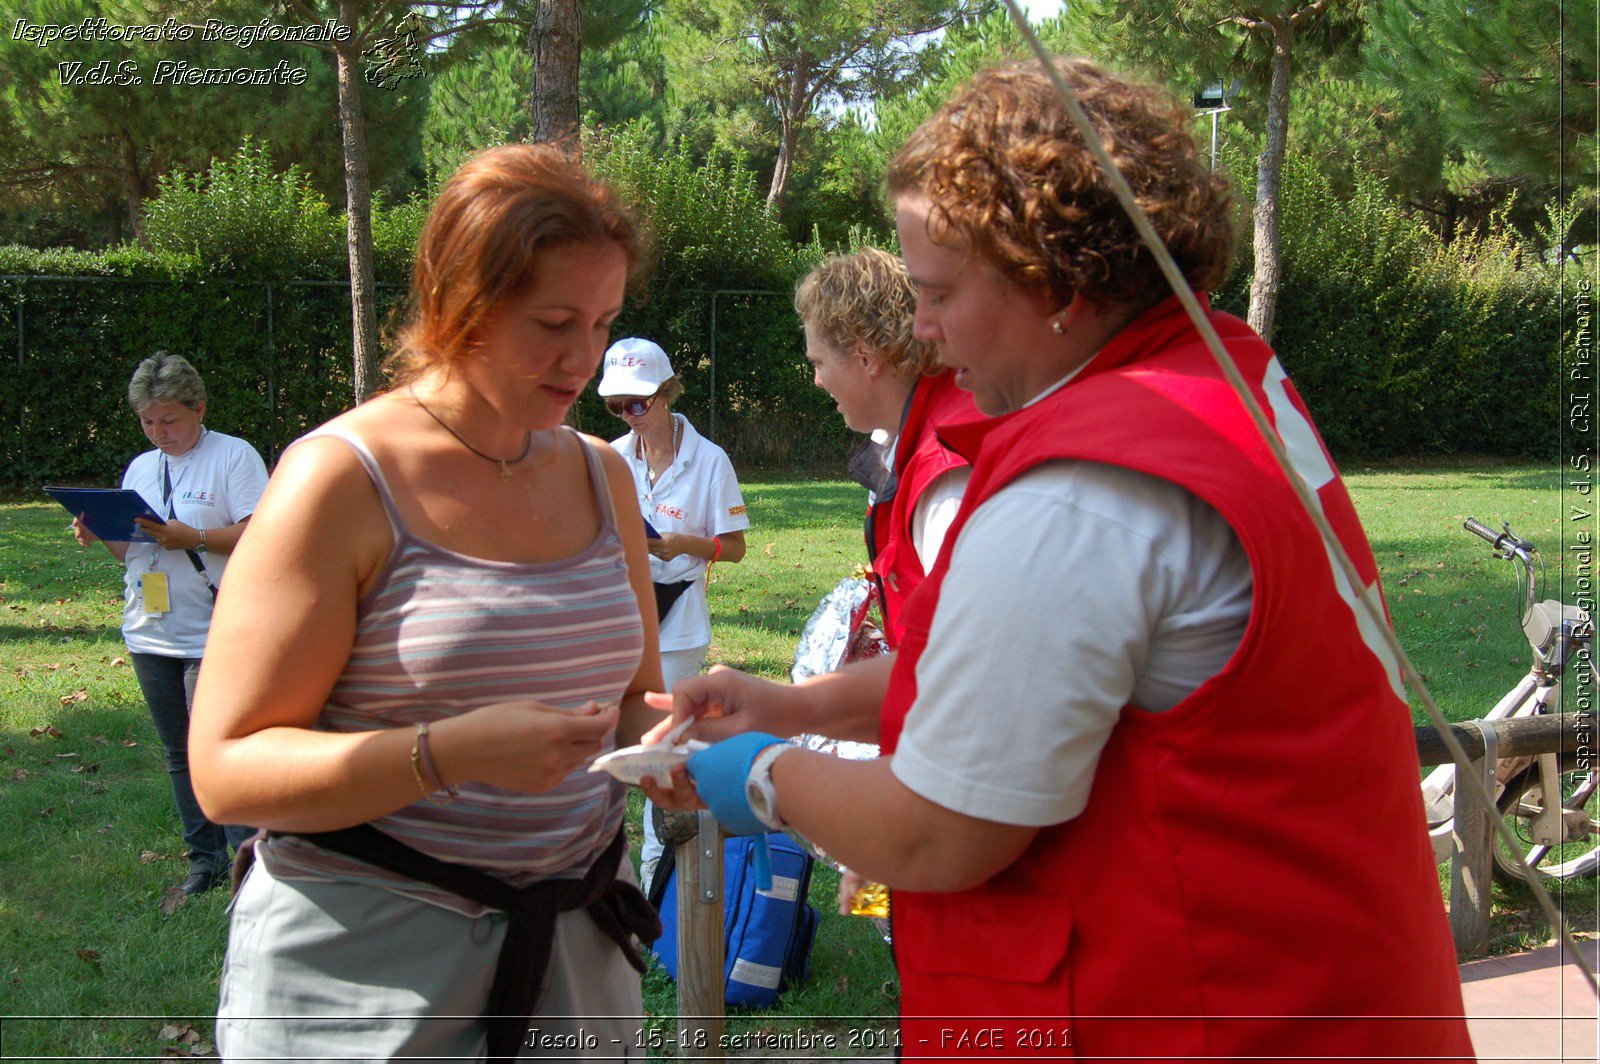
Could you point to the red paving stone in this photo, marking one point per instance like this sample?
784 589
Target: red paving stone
1533 1006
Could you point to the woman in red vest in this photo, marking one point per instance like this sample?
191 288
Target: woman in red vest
1134 672
858 312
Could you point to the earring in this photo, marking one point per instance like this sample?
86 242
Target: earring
1057 328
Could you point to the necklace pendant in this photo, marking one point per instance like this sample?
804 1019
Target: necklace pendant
505 473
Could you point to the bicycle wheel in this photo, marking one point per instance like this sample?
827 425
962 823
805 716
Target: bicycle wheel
1523 799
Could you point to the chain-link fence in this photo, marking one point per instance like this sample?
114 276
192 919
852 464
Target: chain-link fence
277 358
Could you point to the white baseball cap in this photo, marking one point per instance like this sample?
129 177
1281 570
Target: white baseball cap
634 367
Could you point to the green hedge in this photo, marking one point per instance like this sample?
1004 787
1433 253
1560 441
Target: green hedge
1400 346
65 413
228 246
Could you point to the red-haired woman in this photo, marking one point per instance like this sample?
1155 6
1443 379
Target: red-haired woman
440 621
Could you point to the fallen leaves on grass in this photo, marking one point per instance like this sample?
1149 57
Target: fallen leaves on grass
49 730
190 1042
80 695
201 1051
768 548
129 742
172 899
91 957
20 775
88 768
117 663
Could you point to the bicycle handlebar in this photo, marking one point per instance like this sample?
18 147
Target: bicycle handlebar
1483 532
1505 542
1506 545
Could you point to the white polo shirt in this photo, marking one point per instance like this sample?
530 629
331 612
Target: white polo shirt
218 483
1073 591
699 495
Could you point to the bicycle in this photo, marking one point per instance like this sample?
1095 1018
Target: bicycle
1560 839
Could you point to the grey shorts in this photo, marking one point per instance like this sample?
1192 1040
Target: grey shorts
343 971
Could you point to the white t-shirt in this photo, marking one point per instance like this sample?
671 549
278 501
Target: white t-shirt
936 511
699 495
218 483
1075 590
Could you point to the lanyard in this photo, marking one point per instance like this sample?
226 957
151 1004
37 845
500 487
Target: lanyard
166 500
166 488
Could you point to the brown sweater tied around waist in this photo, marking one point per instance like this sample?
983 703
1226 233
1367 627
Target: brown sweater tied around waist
617 908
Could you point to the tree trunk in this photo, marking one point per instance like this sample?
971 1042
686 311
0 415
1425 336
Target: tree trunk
791 115
1269 175
133 192
780 171
133 195
1452 214
358 211
554 43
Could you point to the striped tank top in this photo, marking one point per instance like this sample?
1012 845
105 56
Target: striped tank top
441 633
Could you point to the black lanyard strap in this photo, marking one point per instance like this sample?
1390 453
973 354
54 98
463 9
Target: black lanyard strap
166 500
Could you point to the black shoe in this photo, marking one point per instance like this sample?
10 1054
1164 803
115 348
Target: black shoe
201 881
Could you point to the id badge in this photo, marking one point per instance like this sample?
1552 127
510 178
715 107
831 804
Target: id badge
153 590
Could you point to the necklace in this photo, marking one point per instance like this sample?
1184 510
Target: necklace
650 470
505 472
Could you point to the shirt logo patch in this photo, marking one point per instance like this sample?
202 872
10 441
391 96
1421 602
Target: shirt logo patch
670 511
735 511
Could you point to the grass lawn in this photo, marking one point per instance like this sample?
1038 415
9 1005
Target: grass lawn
91 840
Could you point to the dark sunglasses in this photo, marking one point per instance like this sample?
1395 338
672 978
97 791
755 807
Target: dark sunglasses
631 407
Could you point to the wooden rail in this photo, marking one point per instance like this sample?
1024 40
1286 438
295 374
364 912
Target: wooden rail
1519 737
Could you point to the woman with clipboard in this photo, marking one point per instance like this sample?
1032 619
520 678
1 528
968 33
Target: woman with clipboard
204 485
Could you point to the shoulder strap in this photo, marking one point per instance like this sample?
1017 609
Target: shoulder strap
601 484
370 464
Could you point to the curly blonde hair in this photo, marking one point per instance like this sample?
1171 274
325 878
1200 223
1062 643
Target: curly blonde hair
1008 177
866 298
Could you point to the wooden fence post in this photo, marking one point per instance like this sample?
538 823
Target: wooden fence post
1472 855
1469 870
701 948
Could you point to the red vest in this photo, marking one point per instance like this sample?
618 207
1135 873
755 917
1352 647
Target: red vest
919 460
1253 861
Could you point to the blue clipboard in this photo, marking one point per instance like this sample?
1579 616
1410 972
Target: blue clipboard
650 530
109 512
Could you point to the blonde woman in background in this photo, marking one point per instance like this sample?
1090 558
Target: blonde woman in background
858 311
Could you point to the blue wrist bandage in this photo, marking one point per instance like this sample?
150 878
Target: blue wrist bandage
720 772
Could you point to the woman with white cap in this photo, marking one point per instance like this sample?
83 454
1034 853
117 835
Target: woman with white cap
692 507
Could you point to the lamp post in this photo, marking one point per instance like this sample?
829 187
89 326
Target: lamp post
1213 100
